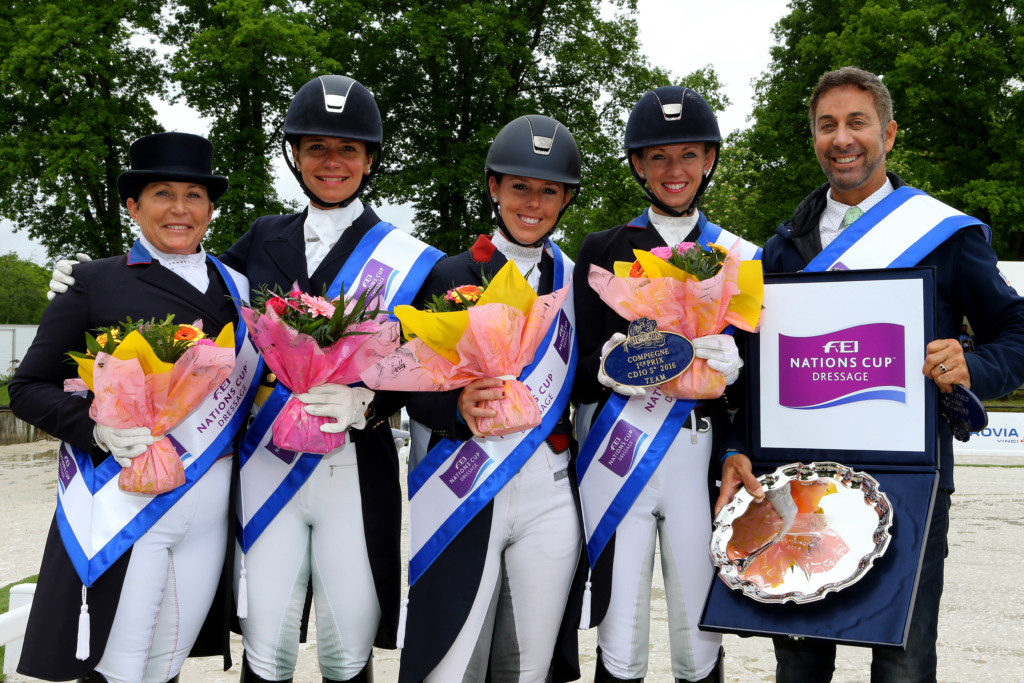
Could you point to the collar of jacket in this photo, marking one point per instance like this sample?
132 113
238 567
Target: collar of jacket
483 249
808 212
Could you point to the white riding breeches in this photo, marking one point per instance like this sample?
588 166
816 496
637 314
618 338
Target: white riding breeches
170 582
674 508
318 534
531 557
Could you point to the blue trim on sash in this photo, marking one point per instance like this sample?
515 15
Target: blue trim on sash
358 258
876 214
418 273
638 478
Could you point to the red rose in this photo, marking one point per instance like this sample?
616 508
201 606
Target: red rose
277 304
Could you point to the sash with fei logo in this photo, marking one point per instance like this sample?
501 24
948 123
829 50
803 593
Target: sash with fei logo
456 480
98 521
897 232
628 439
385 257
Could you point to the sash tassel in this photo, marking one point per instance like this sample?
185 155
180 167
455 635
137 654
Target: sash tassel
82 650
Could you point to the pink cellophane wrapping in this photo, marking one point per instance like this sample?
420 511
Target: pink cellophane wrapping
693 308
300 364
125 396
499 341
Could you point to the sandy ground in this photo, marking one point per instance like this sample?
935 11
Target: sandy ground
981 632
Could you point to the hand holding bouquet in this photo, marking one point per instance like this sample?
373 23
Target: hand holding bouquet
309 342
151 375
690 290
472 333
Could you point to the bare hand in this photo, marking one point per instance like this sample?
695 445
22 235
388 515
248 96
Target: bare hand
945 365
472 397
737 473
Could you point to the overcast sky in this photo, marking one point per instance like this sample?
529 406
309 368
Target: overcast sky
733 36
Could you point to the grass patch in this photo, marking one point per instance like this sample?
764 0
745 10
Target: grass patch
5 398
5 599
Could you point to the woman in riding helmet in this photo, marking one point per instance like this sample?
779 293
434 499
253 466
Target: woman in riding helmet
490 578
331 522
672 140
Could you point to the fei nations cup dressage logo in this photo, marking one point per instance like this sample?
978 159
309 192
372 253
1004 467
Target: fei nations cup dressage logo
860 363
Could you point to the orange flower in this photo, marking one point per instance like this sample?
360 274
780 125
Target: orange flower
469 292
636 270
188 333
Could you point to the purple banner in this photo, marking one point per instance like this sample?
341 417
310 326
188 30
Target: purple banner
860 363
622 446
470 462
562 337
375 275
282 454
66 466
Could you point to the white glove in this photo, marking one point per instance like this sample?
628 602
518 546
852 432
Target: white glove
720 351
123 444
62 277
607 381
347 405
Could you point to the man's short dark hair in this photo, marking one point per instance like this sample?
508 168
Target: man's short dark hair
858 78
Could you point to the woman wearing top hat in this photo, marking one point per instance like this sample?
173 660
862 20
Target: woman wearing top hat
140 618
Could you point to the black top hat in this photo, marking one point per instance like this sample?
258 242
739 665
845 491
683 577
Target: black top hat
170 156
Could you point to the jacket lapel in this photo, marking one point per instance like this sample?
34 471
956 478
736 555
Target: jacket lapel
287 249
155 275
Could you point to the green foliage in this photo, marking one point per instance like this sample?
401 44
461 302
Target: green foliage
239 62
169 340
449 75
23 294
295 310
76 92
954 71
702 263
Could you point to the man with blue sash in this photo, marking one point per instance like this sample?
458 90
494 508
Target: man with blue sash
131 577
646 459
494 529
863 218
331 522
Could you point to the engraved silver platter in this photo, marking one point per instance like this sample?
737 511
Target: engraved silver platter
774 555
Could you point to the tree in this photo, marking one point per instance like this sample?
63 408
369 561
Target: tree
239 62
23 296
449 75
954 73
75 95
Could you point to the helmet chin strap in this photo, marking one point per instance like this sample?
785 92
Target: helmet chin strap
321 203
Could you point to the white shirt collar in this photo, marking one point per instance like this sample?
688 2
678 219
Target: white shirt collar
527 259
323 228
832 216
673 229
189 267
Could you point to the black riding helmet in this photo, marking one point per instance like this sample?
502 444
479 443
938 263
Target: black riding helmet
337 107
533 146
667 116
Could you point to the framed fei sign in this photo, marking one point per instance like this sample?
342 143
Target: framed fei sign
838 369
835 376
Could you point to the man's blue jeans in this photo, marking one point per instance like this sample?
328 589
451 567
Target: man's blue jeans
814 661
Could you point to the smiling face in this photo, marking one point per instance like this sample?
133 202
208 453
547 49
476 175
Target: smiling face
674 172
173 215
332 168
851 143
529 206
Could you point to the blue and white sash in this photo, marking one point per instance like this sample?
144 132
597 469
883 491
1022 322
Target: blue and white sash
897 232
385 257
98 521
629 438
456 480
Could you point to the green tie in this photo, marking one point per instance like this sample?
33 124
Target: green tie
852 214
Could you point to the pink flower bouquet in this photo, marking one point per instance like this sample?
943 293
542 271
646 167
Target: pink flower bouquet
493 332
688 290
308 341
150 374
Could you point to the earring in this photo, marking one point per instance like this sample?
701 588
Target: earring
643 175
494 199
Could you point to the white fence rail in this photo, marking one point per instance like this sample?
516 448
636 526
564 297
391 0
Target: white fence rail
13 622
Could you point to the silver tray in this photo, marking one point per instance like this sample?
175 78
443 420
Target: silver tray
853 513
